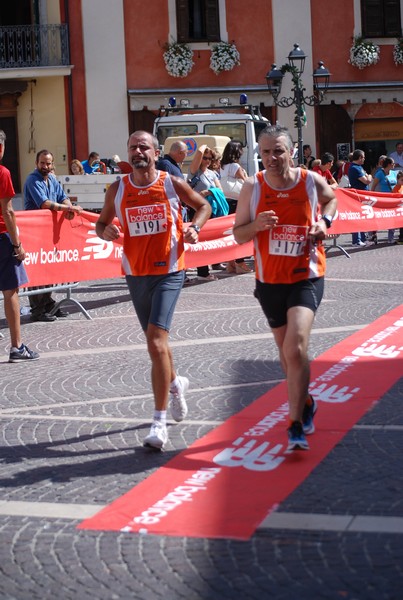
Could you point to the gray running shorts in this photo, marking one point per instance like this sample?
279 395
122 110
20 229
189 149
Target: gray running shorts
154 297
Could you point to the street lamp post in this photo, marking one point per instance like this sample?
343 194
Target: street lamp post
295 66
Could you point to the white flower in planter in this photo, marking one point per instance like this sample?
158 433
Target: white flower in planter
178 59
363 53
398 52
224 57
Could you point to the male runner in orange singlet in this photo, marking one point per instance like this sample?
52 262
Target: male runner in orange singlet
148 205
279 209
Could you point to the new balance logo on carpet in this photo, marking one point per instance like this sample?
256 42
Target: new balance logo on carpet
227 482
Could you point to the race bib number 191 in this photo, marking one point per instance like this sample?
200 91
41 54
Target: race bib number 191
288 240
146 220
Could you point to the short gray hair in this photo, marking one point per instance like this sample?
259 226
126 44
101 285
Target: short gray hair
178 146
153 139
2 136
276 131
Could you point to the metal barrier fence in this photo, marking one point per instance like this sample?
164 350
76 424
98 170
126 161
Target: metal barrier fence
62 287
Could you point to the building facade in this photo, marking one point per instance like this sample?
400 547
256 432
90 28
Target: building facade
78 75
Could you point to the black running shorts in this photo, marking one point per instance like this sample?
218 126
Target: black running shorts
276 298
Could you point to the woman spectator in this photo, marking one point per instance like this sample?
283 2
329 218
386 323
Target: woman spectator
76 167
342 173
215 162
201 179
232 178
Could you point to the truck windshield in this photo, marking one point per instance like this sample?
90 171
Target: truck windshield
235 131
175 130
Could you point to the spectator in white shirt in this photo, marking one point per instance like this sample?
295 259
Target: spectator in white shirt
397 156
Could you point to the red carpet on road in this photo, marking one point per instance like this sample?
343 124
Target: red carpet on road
226 483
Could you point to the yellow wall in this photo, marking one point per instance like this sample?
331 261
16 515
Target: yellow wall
49 123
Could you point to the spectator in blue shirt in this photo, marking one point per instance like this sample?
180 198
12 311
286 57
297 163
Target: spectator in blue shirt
42 190
92 164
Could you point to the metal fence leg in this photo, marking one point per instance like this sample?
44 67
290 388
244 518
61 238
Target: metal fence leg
69 300
336 245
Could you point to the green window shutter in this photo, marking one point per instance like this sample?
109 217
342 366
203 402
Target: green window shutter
381 18
197 21
212 21
182 20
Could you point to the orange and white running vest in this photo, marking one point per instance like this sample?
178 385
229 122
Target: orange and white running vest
151 219
285 253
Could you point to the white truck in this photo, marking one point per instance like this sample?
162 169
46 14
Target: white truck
242 123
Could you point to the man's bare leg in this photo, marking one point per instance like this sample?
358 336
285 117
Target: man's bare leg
161 364
12 313
292 341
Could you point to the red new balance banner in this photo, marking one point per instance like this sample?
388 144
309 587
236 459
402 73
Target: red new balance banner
61 250
226 483
358 210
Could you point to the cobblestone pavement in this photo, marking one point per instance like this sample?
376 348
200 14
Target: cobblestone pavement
72 426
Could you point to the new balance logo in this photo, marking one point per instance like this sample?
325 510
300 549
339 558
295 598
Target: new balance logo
251 455
97 248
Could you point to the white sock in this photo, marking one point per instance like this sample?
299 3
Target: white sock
161 416
175 385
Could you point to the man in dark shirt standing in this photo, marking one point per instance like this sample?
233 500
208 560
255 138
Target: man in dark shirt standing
308 158
359 180
172 161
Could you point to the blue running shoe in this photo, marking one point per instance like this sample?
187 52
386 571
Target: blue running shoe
307 417
296 437
21 354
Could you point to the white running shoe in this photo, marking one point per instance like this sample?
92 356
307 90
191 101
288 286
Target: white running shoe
157 437
177 402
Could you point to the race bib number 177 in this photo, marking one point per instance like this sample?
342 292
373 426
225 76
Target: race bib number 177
288 240
146 220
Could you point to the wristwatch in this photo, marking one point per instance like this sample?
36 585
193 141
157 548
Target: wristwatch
195 227
328 220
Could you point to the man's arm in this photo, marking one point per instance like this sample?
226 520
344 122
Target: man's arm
105 229
11 225
365 178
66 206
199 204
328 204
60 201
332 182
244 229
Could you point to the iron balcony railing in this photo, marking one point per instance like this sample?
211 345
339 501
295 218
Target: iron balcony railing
34 46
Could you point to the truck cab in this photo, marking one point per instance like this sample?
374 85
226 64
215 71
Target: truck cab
242 123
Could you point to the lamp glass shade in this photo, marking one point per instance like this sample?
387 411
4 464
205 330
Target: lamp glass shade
321 76
296 58
274 78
